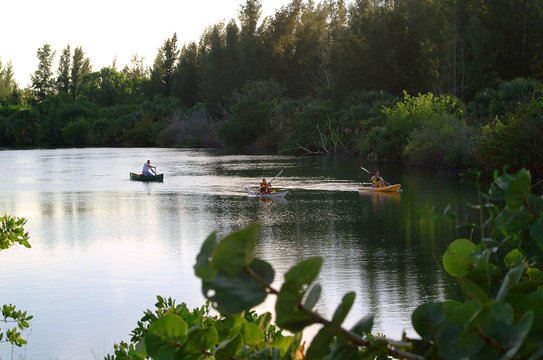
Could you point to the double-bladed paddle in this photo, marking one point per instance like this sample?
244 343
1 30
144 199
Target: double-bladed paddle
279 173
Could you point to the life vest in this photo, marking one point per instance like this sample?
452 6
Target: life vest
263 187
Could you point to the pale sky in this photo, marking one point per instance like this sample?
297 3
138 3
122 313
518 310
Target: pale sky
106 29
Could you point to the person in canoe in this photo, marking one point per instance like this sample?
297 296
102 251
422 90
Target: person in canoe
264 186
377 181
147 168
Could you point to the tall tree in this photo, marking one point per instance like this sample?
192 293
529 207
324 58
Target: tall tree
164 66
249 16
278 38
187 75
8 85
212 81
80 67
42 80
136 74
63 72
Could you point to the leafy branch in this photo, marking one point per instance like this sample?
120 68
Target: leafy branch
11 232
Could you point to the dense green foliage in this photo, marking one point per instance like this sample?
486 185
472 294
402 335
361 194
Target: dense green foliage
11 232
336 74
497 316
173 331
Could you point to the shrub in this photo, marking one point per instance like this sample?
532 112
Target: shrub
445 140
249 122
195 128
76 133
411 114
510 97
515 140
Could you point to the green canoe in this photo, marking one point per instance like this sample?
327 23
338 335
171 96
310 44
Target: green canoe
140 177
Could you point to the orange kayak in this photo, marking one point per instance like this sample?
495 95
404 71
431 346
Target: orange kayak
389 188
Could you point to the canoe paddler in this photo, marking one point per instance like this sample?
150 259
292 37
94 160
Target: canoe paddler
264 186
146 167
377 181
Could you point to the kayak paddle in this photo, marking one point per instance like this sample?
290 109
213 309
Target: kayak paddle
279 173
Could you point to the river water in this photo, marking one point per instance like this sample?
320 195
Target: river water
103 246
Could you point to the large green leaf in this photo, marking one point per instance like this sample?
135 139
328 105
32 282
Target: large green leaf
535 275
235 251
427 318
485 275
535 203
233 295
536 232
252 334
511 279
312 297
288 314
518 334
199 341
297 281
321 343
518 190
447 338
472 290
203 268
343 309
283 344
165 336
458 259
512 220
536 299
305 272
513 258
363 326
229 348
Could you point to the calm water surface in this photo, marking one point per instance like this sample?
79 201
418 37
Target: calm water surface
103 246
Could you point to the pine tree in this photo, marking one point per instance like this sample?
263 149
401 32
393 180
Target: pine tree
42 80
63 72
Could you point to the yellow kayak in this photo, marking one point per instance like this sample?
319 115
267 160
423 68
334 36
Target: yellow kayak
389 188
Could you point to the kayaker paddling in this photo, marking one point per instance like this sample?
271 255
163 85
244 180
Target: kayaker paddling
264 186
377 181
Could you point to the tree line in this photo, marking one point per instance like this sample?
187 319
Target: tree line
428 81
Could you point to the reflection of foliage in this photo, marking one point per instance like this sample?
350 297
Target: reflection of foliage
499 316
11 232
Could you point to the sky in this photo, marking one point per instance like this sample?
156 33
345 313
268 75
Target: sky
106 29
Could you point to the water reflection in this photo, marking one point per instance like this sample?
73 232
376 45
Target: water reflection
102 248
